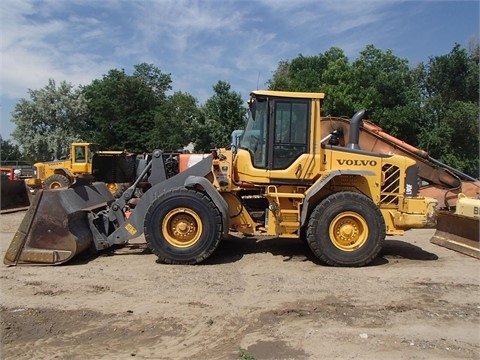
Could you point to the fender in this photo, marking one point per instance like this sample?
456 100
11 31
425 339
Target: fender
192 181
133 226
319 185
65 172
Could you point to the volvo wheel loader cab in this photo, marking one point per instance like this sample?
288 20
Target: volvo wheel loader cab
288 178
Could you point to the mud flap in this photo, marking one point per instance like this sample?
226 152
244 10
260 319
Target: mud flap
458 233
56 226
14 196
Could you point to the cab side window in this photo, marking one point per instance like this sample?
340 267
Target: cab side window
80 155
290 132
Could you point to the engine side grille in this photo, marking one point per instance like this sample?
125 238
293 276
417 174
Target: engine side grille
390 190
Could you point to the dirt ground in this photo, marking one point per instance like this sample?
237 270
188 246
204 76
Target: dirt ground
253 299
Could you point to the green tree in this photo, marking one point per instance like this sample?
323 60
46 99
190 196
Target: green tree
450 91
153 77
337 84
304 73
50 121
10 151
329 72
222 113
281 79
434 106
122 107
377 81
455 141
385 86
173 122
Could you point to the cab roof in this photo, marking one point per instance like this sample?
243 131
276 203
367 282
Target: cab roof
289 94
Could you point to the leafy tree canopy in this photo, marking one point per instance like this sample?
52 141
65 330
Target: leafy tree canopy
174 121
10 151
222 113
50 121
450 88
122 107
433 106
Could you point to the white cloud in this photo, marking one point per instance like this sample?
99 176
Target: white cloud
178 25
201 39
34 51
198 42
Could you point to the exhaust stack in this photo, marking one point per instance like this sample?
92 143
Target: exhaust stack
355 124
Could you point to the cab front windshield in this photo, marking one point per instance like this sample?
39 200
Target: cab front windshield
254 138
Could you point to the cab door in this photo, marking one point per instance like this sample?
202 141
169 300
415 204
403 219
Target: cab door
289 139
80 164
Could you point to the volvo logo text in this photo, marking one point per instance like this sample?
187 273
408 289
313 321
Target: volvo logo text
357 162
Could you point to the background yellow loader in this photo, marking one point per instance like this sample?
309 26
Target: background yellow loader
115 168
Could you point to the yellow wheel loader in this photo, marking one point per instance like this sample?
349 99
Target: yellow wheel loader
288 177
113 167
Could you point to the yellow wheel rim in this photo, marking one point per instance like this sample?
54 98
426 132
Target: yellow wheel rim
55 185
348 231
112 187
182 227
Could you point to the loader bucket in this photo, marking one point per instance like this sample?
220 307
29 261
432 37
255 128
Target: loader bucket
458 232
15 196
56 227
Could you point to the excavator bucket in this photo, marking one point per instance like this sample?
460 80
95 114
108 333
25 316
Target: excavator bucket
56 227
15 196
460 231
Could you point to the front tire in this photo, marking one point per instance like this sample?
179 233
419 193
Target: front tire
346 229
183 226
56 181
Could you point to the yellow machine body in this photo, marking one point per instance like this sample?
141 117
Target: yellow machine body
288 176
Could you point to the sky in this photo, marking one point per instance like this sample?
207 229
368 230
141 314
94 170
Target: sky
201 42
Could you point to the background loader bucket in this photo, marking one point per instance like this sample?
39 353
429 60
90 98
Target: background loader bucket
15 196
56 226
459 233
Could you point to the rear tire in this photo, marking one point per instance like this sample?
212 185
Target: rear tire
346 229
56 181
183 226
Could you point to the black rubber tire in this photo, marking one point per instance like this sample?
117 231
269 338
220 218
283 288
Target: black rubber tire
180 212
56 181
359 233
